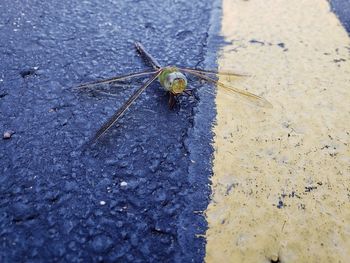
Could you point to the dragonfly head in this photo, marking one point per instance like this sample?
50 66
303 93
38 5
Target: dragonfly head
175 82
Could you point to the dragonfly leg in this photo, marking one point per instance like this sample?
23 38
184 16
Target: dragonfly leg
188 92
191 93
172 100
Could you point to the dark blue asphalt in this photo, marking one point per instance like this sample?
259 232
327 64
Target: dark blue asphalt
60 205
342 9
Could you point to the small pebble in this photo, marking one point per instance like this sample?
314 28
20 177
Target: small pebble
7 135
102 202
123 184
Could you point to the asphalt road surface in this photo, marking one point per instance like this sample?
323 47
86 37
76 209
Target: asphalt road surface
342 9
136 196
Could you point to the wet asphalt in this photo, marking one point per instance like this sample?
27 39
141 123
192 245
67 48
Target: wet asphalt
136 196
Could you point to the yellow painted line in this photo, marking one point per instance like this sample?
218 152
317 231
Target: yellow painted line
295 156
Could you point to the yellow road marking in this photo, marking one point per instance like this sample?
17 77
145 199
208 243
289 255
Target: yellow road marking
295 156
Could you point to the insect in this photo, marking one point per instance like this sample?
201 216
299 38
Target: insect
172 79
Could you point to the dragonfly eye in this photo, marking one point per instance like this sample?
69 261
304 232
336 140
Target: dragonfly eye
176 82
178 86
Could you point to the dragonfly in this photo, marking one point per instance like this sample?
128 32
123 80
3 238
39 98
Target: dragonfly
173 80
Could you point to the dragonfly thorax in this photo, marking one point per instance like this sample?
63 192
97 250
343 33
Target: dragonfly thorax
173 80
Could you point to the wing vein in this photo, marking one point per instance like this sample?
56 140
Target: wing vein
116 116
260 101
114 79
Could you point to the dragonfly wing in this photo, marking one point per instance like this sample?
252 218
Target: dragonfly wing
257 100
116 116
114 79
213 72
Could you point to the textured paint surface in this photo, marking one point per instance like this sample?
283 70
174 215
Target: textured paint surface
281 176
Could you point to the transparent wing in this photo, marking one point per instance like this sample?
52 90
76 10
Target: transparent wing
115 79
116 116
213 72
257 100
